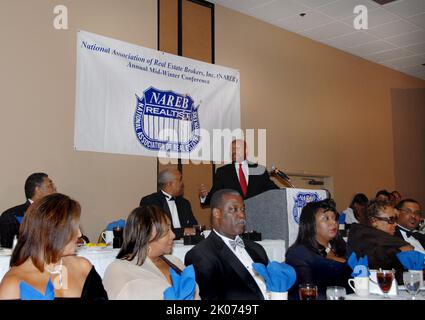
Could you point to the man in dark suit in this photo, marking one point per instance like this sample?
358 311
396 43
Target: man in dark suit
170 199
37 186
223 261
246 178
409 217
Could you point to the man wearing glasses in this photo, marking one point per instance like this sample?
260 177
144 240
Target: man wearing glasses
409 217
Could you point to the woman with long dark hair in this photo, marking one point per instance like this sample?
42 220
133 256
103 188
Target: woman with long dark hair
142 268
318 254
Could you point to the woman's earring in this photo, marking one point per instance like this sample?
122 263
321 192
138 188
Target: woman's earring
149 250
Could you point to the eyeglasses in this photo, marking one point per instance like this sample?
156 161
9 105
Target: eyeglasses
390 220
416 213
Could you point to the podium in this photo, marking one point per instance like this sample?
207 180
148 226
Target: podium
275 213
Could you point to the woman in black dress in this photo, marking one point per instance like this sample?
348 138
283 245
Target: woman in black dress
43 263
318 254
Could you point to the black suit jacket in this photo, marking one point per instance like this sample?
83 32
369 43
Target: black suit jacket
226 178
184 210
417 235
219 273
9 225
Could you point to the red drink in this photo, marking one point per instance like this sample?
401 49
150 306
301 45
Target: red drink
385 280
308 292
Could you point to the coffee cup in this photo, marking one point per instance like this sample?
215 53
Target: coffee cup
360 286
108 237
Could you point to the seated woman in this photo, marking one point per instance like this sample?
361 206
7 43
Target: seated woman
376 239
44 257
318 254
142 268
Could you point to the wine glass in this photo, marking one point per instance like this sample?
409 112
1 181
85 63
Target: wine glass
308 291
412 281
385 280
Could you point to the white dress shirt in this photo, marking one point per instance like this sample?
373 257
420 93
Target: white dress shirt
245 170
414 242
173 209
246 260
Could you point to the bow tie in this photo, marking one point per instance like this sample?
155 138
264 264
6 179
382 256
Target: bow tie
238 242
409 233
171 198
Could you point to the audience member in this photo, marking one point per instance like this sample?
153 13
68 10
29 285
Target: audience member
170 199
223 261
356 212
383 195
45 254
409 217
37 186
318 254
247 178
142 268
376 239
396 196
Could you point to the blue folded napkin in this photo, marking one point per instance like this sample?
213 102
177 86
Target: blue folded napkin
29 293
360 266
184 285
341 219
411 260
119 223
279 276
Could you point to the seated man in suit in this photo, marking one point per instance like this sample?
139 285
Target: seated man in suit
246 178
409 217
223 261
170 199
37 186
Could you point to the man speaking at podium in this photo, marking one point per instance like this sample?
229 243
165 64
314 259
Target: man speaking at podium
247 178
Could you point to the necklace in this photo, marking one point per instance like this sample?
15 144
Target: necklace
57 269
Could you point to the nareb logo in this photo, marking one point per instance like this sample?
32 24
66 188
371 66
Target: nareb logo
300 200
165 120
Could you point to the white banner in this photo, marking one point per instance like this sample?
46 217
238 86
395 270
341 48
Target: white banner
135 100
296 200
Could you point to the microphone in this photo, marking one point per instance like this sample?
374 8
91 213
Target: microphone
281 174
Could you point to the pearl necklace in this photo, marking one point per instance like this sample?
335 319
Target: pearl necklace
56 270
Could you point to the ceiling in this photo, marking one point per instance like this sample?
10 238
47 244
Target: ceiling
395 36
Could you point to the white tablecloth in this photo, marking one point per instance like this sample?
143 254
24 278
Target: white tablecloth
101 258
402 295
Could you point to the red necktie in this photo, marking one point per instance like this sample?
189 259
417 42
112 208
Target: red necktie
242 180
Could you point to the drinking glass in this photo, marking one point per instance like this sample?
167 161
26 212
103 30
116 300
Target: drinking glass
335 293
308 291
412 282
385 280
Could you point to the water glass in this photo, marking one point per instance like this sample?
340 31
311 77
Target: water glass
335 293
412 283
